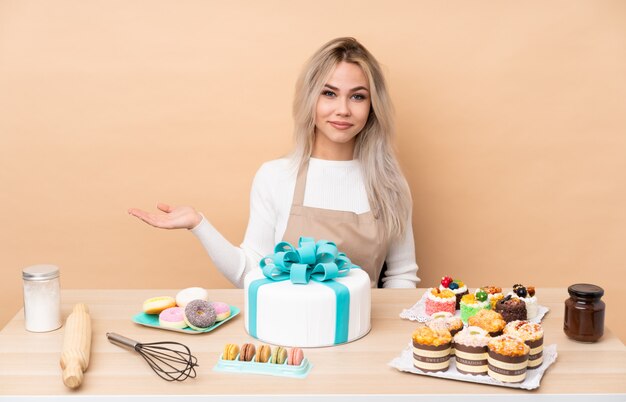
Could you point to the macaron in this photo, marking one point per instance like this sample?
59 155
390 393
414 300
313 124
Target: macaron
199 314
173 317
155 305
222 310
263 354
246 353
295 357
187 295
279 356
230 351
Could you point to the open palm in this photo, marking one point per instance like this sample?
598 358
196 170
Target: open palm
183 217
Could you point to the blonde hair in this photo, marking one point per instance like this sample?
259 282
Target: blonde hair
387 190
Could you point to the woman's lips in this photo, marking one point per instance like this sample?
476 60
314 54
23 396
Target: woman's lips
340 125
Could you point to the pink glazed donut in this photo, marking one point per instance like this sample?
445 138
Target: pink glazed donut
222 310
173 317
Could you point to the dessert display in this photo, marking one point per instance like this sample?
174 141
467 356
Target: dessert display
175 314
489 320
507 359
438 300
471 304
471 351
279 361
456 286
527 294
308 296
532 335
494 294
512 308
431 349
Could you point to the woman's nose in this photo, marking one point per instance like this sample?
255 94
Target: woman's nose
343 107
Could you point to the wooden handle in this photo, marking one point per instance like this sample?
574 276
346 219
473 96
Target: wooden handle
76 346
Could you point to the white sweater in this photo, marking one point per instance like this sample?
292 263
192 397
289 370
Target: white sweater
336 185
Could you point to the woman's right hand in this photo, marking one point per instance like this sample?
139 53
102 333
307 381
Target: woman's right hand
173 217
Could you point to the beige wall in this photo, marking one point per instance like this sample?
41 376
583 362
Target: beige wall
511 132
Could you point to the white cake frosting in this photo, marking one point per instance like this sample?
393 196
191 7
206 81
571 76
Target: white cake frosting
305 315
532 308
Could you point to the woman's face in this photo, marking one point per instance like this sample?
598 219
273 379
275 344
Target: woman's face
341 112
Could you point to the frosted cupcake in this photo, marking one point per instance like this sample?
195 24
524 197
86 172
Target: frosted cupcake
489 320
507 359
494 294
440 300
456 286
431 349
472 304
445 321
471 351
527 294
532 334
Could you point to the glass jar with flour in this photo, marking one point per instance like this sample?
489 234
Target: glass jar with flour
42 298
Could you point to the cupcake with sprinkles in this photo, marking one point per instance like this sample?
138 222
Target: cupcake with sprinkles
507 359
456 286
532 335
431 349
471 304
440 300
471 351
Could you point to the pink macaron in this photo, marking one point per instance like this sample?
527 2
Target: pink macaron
295 356
173 317
222 310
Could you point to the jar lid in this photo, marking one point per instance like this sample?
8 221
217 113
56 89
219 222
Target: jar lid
41 272
586 290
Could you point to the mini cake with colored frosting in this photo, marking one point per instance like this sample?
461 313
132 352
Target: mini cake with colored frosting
512 308
456 286
440 300
527 294
507 359
472 304
471 351
431 349
489 320
494 293
532 334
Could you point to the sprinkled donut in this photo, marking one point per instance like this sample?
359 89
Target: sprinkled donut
199 314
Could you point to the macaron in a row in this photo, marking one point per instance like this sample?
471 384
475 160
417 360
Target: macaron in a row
263 354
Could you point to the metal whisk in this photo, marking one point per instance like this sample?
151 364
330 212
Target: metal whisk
172 361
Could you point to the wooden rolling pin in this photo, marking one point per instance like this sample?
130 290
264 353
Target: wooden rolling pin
76 346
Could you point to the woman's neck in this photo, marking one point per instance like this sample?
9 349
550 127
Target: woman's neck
329 150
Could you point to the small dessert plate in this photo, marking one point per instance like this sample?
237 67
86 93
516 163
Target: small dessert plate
152 320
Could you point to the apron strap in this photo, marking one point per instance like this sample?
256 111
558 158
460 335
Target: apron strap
298 193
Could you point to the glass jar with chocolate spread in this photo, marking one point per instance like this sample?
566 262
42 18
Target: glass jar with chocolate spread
584 313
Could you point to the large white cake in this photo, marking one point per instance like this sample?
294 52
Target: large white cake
308 315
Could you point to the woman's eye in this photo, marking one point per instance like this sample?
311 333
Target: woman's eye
359 97
328 93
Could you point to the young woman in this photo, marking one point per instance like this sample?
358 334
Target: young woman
341 183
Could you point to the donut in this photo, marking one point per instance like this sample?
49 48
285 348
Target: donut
199 314
173 317
186 295
222 310
155 305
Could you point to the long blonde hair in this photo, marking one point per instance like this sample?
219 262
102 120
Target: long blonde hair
387 190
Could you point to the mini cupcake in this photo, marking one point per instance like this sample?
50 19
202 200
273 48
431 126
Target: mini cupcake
527 294
494 293
507 359
511 308
445 321
431 349
472 304
471 351
489 320
440 300
532 334
456 286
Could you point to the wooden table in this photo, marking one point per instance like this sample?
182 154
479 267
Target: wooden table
29 362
